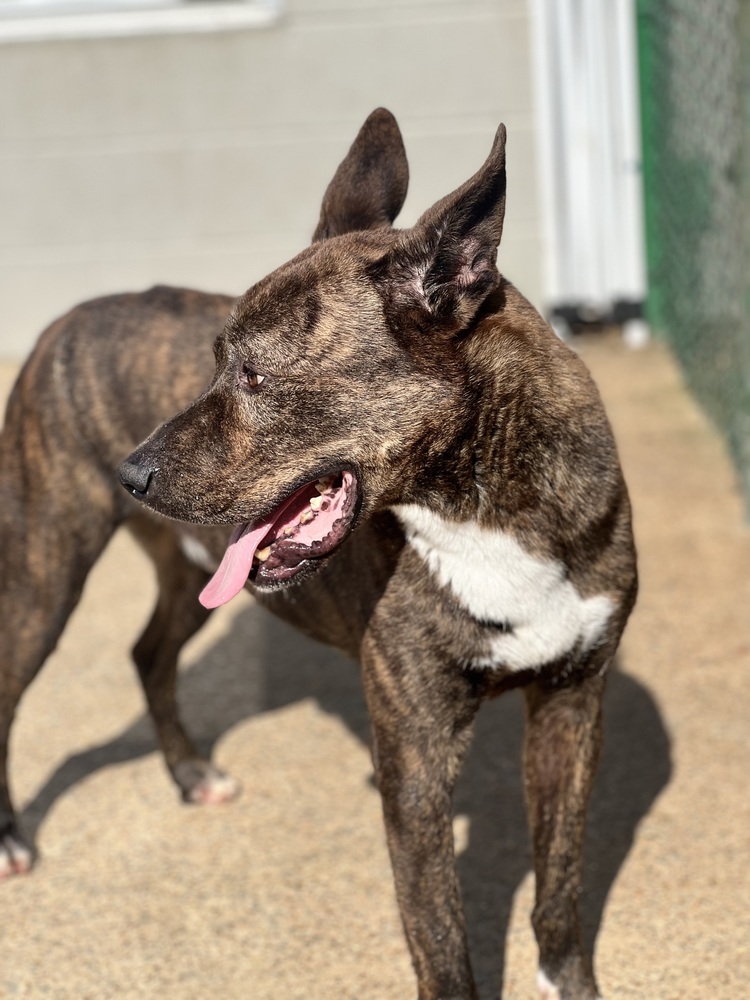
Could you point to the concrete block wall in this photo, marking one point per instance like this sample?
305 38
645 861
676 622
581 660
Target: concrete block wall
200 159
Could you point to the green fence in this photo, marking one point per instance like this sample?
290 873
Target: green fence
695 96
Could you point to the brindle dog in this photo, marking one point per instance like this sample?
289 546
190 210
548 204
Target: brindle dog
99 380
421 474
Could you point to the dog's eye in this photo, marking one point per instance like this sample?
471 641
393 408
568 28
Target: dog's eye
250 379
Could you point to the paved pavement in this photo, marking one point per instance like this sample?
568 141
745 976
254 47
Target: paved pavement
286 893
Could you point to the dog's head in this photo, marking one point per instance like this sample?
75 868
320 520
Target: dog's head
339 387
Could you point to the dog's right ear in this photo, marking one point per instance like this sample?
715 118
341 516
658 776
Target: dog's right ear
369 187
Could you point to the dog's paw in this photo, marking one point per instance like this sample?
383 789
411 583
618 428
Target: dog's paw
548 990
215 789
203 784
16 857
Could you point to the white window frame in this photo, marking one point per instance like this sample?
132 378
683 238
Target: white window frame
45 20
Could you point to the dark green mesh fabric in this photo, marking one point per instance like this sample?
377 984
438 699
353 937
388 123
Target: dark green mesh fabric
695 98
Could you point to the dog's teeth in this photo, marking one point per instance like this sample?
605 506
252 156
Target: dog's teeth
307 516
289 529
315 502
323 485
262 554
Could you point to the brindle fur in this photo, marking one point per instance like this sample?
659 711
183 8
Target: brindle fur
407 358
99 380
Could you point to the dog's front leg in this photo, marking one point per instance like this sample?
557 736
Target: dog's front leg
561 752
422 714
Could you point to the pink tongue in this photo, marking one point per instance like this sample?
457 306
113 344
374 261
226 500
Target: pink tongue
231 576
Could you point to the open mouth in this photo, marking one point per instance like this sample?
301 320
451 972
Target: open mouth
307 525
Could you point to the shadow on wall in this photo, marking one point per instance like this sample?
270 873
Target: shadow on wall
223 689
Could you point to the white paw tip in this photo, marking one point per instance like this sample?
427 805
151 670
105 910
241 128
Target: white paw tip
547 990
215 789
15 858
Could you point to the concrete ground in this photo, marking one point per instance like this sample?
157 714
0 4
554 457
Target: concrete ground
287 893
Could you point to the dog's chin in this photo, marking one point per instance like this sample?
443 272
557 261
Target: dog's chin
292 541
265 581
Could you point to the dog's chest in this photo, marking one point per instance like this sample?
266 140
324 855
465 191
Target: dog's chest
533 612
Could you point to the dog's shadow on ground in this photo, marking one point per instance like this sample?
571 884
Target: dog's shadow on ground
228 685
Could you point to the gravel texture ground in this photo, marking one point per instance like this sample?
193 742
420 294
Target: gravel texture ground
287 893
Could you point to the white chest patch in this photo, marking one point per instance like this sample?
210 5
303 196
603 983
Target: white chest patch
497 580
197 553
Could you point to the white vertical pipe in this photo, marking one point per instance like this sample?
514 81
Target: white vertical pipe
549 159
633 274
587 114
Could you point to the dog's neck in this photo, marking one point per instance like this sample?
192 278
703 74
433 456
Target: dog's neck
453 468
508 417
525 428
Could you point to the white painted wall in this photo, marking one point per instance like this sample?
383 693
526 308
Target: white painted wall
200 159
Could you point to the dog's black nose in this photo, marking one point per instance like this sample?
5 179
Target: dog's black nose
135 478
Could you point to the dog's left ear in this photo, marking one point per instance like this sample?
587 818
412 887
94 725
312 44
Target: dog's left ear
369 188
441 270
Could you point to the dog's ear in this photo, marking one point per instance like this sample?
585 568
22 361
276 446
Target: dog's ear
369 187
440 271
